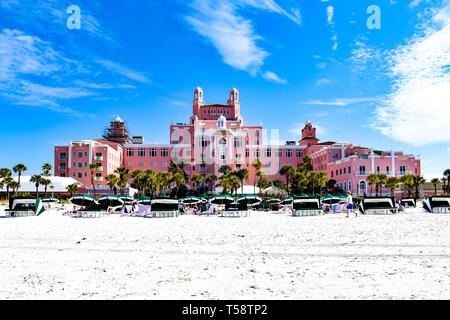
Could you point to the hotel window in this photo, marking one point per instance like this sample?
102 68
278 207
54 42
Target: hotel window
332 174
402 170
203 129
203 142
415 170
257 134
62 174
288 153
268 153
299 153
130 152
362 170
337 173
345 169
335 156
203 167
350 186
175 133
141 152
141 164
175 142
130 164
85 164
202 157
80 175
233 129
340 171
74 153
85 174
256 153
80 165
349 170
279 153
247 153
387 170
176 153
378 169
85 154
237 142
164 164
98 175
187 134
238 157
238 166
74 174
62 156
74 165
187 153
152 164
152 152
80 154
257 142
164 152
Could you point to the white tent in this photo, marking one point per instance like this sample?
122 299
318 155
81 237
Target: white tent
59 184
247 190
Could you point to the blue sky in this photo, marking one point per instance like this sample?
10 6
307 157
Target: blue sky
292 60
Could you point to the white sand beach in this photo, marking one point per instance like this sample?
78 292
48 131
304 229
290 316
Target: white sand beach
264 256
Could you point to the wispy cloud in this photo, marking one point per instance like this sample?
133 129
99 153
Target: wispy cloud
364 56
418 109
323 82
123 70
230 33
270 76
341 102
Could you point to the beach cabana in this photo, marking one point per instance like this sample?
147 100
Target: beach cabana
306 206
163 207
249 200
287 200
49 200
378 205
437 204
408 202
24 207
127 199
143 200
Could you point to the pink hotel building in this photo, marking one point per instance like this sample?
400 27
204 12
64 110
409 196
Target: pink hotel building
216 135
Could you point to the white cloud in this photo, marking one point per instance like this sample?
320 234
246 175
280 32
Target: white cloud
365 56
270 76
418 109
330 14
323 81
272 6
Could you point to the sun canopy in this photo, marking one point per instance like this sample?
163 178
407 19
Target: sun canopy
49 199
221 199
111 200
82 200
190 200
273 191
249 199
126 199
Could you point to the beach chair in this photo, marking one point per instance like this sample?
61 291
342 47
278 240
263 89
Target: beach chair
378 205
437 204
307 206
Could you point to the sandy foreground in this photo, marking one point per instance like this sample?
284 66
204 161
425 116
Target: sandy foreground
264 256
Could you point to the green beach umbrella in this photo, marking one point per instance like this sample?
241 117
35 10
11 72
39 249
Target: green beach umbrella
110 200
221 199
127 199
82 200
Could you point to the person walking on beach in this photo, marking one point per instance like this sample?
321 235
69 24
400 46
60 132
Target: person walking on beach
350 204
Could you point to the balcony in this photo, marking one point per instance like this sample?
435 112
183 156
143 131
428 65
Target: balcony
100 168
361 173
62 158
60 168
98 158
98 178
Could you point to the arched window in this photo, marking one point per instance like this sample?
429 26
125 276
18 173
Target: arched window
350 186
362 185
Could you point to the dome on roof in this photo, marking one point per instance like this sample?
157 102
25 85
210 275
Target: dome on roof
118 119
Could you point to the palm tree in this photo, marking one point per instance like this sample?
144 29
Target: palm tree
257 165
19 169
112 182
261 174
36 179
408 182
73 188
180 179
124 173
435 182
288 171
307 165
46 168
380 181
164 178
242 174
321 180
299 180
392 183
372 180
137 183
418 181
197 179
151 180
444 184
225 182
234 182
46 183
5 176
14 185
211 178
447 174
225 169
94 168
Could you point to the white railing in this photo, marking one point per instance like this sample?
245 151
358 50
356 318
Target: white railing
98 158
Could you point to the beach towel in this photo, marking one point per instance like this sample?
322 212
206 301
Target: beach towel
141 209
148 209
